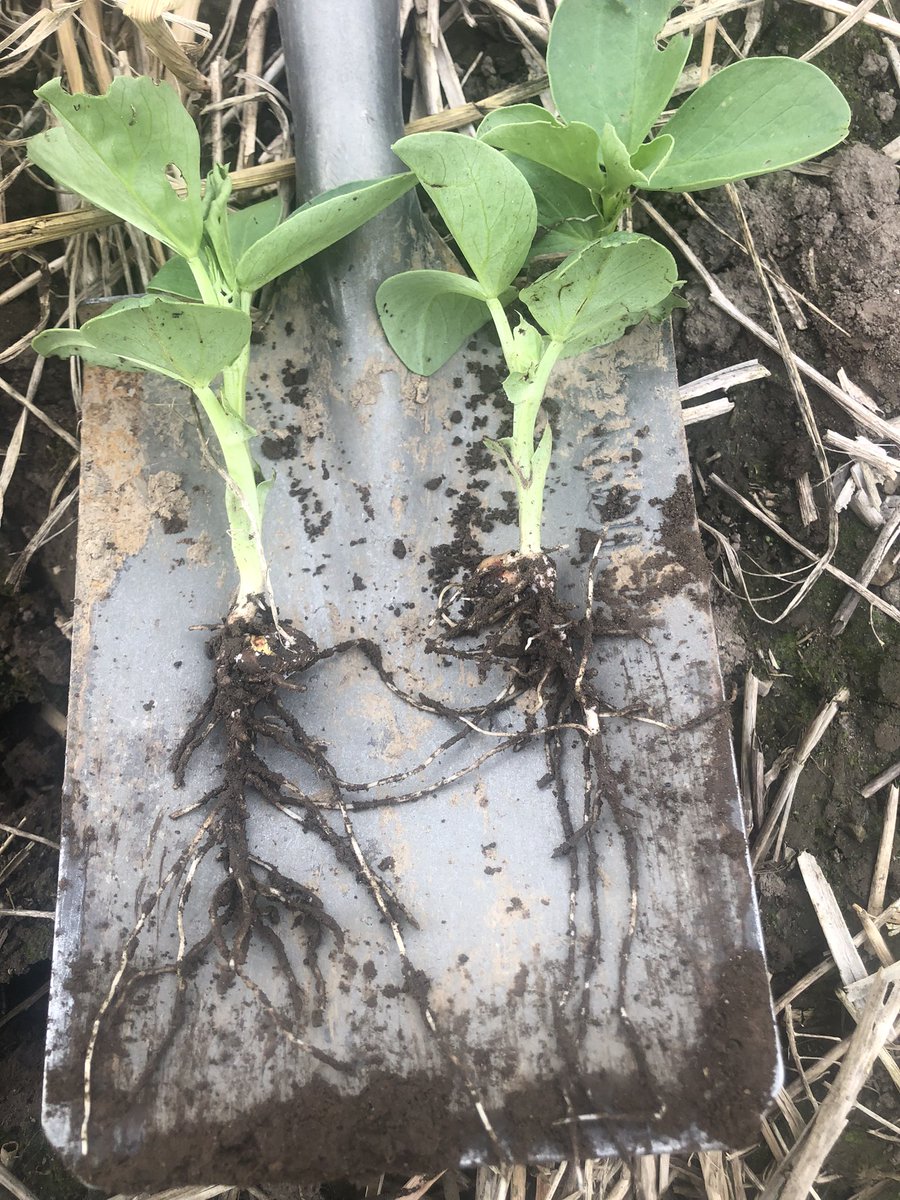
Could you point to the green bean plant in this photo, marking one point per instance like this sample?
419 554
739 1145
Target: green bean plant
118 151
561 188
135 153
533 185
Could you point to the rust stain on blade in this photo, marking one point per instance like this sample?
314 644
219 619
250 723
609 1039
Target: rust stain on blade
115 515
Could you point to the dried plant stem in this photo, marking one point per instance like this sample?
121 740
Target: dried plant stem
257 27
877 944
776 818
888 775
848 961
800 394
93 24
885 854
68 48
863 416
705 412
795 1176
843 27
882 24
769 521
864 450
874 559
728 377
752 691
890 914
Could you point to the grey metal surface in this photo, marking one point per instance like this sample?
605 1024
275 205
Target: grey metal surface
663 1039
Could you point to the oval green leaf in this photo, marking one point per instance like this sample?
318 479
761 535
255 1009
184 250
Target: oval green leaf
651 156
605 67
753 117
175 278
316 226
427 316
595 295
247 225
570 150
115 150
558 199
485 201
192 343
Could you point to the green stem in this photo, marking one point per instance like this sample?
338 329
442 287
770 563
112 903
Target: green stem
234 378
242 500
205 285
503 327
529 462
226 414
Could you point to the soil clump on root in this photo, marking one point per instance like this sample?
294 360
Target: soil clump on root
255 662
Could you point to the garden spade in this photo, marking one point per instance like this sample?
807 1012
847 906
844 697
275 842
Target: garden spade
506 971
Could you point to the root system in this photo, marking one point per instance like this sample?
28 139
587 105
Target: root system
509 615
257 662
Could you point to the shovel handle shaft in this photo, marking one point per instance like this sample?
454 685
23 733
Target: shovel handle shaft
343 70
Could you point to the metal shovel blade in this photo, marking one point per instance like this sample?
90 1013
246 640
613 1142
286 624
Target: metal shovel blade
605 997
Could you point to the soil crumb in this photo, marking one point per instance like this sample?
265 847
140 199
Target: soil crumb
167 500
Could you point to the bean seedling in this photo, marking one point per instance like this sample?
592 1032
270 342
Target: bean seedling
135 152
576 173
533 184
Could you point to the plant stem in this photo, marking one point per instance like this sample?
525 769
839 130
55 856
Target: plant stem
205 285
226 413
242 499
529 462
526 462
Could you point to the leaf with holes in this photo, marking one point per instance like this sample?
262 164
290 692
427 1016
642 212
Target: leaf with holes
116 151
605 66
596 294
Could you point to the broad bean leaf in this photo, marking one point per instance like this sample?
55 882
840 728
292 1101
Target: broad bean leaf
565 210
652 156
605 68
750 118
620 174
175 278
245 226
317 225
527 347
188 342
531 132
114 150
558 199
595 295
568 237
483 198
427 316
